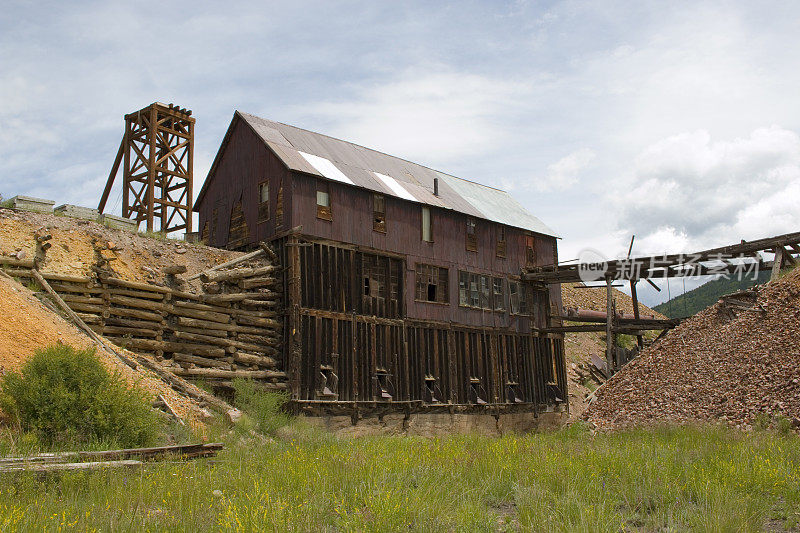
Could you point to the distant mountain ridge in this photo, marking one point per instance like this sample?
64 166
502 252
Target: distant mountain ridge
707 295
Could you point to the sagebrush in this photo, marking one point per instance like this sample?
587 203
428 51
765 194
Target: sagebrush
64 395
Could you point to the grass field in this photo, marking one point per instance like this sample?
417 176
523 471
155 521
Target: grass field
703 479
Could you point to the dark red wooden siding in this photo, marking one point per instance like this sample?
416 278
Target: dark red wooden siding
245 162
352 223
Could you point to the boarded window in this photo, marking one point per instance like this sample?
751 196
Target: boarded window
324 202
279 208
500 249
238 232
472 239
432 284
378 213
498 294
427 230
530 250
517 298
214 224
263 201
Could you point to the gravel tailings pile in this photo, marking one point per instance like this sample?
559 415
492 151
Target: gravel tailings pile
714 367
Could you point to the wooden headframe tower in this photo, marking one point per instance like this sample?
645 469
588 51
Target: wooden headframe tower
158 151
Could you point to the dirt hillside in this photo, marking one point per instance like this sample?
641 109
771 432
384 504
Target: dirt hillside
134 257
728 363
28 325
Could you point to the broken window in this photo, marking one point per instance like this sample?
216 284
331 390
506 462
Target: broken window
472 239
475 290
263 201
374 270
324 202
500 249
517 298
378 213
530 250
432 284
427 232
498 294
486 292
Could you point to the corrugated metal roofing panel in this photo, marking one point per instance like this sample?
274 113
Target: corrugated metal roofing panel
346 162
292 159
497 205
395 187
326 168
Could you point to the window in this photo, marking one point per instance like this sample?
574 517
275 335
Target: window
472 239
517 298
530 251
263 201
279 208
463 288
500 249
498 294
432 284
378 213
479 291
427 232
324 202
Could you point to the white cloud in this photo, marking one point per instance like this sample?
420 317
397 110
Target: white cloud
691 192
563 174
427 113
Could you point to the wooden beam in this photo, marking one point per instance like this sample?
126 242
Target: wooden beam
610 344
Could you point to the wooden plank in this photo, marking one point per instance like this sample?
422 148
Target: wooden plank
229 374
232 262
201 361
609 326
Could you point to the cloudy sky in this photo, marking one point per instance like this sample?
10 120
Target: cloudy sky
674 121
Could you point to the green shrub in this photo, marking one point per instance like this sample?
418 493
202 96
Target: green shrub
65 395
262 406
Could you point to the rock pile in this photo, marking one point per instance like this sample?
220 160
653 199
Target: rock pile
737 362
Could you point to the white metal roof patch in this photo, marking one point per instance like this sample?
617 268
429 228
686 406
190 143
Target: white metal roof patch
326 167
395 186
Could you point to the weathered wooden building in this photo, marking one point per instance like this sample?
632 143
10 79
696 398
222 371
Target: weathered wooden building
402 284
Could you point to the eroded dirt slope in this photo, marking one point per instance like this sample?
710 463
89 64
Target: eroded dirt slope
27 325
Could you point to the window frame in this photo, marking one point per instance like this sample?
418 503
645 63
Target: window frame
423 275
378 217
263 205
324 212
501 246
423 211
471 235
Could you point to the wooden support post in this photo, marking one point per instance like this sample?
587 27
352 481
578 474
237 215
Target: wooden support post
777 265
610 344
635 299
151 168
293 305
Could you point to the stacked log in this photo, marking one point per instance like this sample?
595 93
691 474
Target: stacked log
238 313
232 330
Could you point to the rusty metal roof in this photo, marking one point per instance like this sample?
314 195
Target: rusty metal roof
319 155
